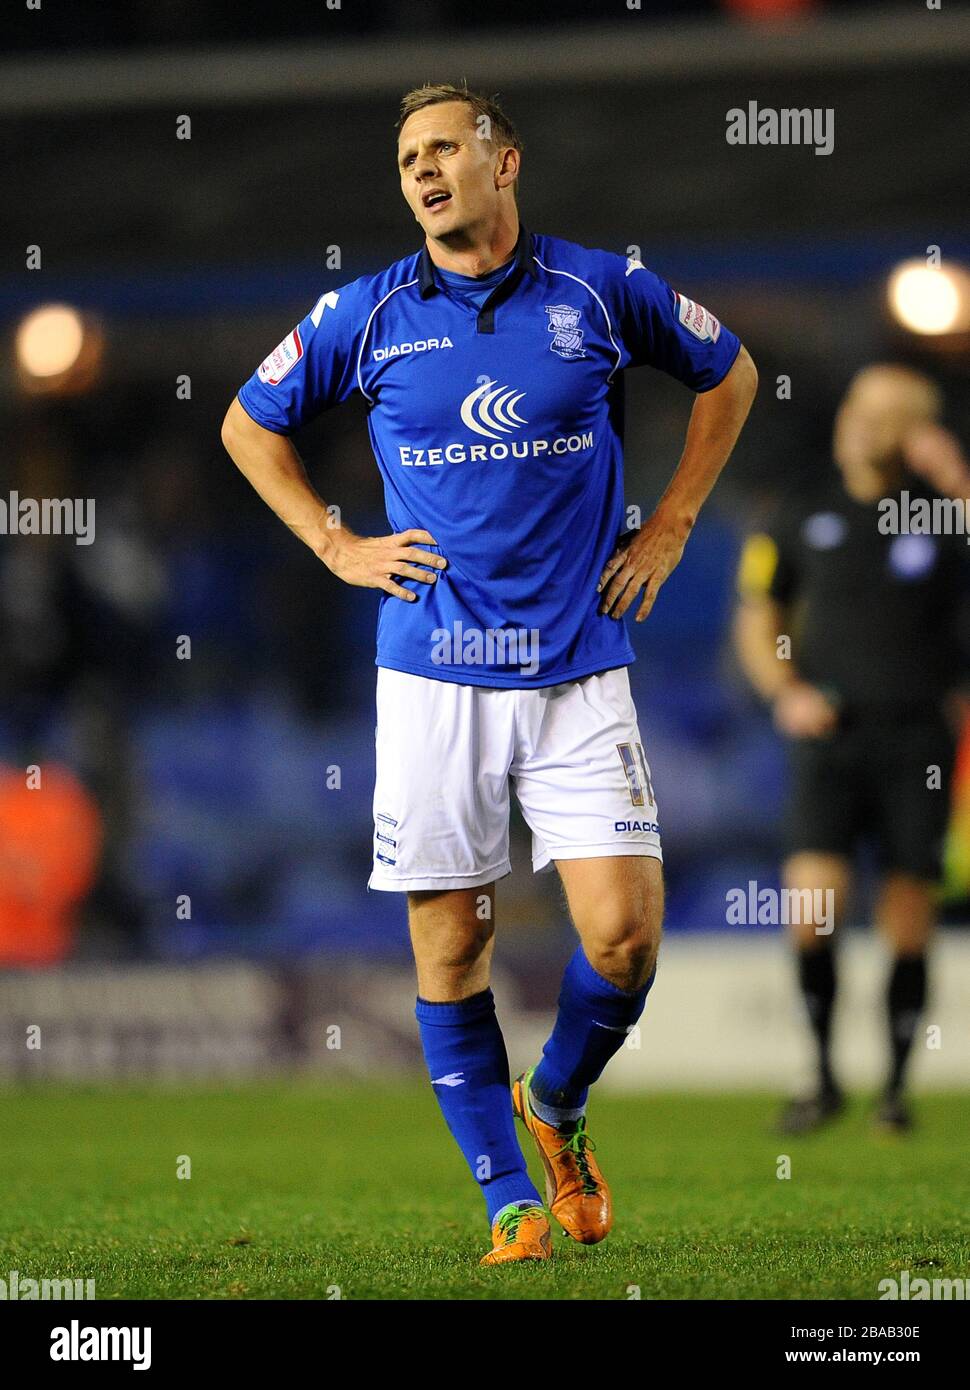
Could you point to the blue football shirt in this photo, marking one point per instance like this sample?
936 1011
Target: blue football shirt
498 428
471 289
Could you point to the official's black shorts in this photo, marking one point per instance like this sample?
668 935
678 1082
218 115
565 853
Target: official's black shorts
881 777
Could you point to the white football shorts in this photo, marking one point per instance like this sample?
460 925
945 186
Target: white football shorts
445 757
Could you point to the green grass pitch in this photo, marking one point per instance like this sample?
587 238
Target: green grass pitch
296 1191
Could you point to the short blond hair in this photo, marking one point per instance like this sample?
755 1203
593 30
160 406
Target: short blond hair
916 393
502 131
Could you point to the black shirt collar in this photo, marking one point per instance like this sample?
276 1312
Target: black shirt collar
524 261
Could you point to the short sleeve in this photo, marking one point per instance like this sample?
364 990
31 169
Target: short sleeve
312 369
663 328
767 567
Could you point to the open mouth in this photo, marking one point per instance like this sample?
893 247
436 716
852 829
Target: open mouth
435 198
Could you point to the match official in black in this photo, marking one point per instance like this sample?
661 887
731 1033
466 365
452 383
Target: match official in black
850 624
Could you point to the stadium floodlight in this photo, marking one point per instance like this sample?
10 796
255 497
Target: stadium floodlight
49 340
930 299
57 350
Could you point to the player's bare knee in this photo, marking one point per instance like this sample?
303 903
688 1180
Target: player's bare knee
461 948
624 950
448 934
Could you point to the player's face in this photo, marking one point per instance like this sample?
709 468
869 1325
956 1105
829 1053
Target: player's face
447 171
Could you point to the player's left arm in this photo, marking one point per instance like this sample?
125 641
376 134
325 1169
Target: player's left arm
651 556
935 454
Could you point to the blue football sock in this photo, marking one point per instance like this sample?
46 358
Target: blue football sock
592 1023
469 1067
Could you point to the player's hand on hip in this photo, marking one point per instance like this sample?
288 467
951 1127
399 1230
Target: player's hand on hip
803 711
641 561
376 562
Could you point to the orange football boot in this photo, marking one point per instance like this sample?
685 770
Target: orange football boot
576 1191
521 1233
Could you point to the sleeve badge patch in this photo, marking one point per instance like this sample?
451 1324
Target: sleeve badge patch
282 359
698 320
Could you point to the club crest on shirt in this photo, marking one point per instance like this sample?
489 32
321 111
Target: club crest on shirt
564 324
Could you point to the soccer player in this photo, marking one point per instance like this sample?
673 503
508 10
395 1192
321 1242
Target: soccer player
492 363
873 611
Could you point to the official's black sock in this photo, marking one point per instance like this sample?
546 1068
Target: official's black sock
816 977
905 999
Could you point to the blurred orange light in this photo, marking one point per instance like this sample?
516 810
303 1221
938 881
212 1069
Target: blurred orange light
49 340
771 9
930 299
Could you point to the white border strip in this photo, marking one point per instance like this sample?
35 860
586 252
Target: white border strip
363 341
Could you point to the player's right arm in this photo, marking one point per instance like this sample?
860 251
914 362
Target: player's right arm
800 709
272 465
316 366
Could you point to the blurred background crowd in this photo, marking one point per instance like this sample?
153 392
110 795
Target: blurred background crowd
216 800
